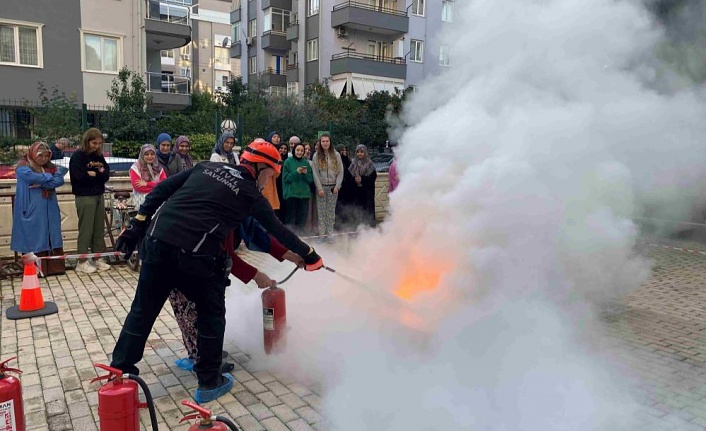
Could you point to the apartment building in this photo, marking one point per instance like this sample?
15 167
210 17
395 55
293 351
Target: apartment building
79 47
357 47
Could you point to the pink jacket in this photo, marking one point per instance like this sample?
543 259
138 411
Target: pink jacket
394 177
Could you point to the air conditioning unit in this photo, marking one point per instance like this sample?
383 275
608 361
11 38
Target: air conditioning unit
248 41
341 32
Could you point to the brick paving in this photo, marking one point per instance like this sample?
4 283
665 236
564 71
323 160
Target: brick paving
658 333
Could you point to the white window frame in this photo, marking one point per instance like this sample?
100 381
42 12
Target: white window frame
312 49
185 71
447 11
119 54
412 50
252 65
269 13
235 31
292 88
417 5
312 7
444 56
38 32
252 28
167 53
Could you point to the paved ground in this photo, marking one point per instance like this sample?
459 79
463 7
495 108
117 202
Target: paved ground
658 332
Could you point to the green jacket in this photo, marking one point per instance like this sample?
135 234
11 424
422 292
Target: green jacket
294 184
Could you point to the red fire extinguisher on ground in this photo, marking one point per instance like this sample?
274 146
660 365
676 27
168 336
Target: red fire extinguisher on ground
12 416
118 401
207 420
274 319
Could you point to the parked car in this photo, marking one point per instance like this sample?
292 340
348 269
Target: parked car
382 161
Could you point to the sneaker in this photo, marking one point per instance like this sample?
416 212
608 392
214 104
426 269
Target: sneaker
101 265
203 395
186 364
86 268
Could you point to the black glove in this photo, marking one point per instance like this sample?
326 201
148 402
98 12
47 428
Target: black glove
131 236
313 261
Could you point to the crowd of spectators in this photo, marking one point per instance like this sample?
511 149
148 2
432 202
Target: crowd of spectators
319 192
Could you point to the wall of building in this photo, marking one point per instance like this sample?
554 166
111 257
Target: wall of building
61 53
115 18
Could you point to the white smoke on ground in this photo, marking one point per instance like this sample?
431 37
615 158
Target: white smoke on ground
521 171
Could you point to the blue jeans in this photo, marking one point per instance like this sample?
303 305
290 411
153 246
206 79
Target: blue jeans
201 279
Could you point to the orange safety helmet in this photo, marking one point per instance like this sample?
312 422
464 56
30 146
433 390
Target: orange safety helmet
261 151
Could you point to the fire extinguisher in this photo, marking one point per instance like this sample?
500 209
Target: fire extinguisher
12 416
207 420
274 319
118 401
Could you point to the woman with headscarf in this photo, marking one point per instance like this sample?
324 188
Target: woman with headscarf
145 173
36 220
363 171
282 211
223 151
169 161
182 147
346 196
297 178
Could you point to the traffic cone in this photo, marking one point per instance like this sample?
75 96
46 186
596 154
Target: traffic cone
31 301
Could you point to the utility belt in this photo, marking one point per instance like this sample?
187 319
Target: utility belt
195 264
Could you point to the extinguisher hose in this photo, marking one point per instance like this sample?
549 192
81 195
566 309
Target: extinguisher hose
229 423
148 399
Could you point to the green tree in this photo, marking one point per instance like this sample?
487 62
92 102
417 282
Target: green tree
56 116
198 118
128 118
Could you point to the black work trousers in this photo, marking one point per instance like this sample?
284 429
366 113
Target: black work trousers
201 279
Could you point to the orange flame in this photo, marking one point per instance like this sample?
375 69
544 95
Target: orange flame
418 281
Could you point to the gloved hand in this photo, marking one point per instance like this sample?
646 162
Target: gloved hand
313 261
131 236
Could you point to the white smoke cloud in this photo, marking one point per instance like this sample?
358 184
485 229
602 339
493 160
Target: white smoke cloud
522 169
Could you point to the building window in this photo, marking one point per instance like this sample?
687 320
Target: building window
252 65
100 53
292 88
312 7
312 49
185 71
416 51
278 91
235 32
186 52
276 20
418 7
444 55
252 28
167 53
21 44
295 59
447 11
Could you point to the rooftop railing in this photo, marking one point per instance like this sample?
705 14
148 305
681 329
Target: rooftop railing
369 7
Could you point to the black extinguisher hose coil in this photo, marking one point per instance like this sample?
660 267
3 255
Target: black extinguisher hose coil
229 423
148 399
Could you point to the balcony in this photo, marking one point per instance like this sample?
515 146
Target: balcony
235 16
167 25
279 4
168 91
293 72
352 62
236 49
273 78
293 29
364 17
275 40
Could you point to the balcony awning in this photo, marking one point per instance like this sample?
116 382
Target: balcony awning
336 86
362 86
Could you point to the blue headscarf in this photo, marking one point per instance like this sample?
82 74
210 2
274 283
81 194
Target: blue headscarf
218 149
269 137
164 157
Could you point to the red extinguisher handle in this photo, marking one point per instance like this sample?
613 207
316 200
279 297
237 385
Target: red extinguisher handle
201 412
113 373
5 369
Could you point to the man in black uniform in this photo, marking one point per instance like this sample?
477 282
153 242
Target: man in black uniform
183 249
